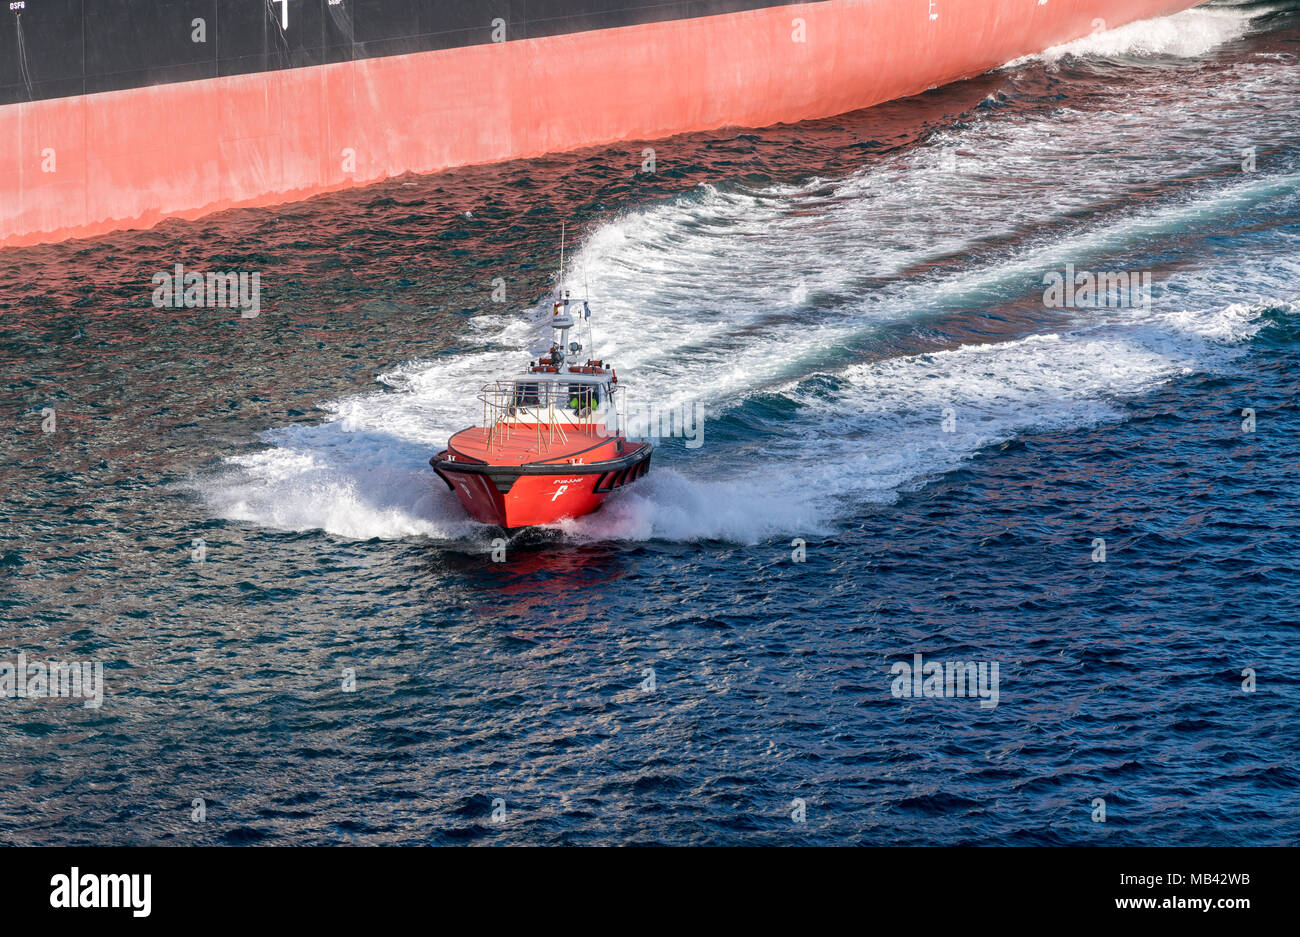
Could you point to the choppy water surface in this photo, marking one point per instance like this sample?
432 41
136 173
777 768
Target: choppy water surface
830 291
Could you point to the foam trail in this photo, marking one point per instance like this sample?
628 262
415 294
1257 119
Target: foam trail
720 278
362 473
373 494
726 294
1187 34
882 431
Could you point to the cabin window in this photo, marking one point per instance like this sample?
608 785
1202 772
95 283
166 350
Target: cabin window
526 395
583 397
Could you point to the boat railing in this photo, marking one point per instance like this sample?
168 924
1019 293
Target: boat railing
546 409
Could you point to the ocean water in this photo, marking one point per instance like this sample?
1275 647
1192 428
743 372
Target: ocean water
858 305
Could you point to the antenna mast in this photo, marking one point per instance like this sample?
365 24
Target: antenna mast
586 310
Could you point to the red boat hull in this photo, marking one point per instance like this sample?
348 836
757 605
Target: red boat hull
534 495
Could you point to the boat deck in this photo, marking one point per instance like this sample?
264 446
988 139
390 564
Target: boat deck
519 445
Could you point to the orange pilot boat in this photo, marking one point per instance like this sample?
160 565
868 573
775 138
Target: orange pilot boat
551 444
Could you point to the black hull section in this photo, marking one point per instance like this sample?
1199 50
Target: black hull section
609 475
61 48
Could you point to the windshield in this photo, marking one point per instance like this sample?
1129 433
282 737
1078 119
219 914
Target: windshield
526 394
575 396
584 396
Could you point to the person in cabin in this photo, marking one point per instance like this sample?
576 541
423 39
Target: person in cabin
581 399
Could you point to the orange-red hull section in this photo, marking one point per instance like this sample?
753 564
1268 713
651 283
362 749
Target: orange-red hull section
533 501
536 494
85 165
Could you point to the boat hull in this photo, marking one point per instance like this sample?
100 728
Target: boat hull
534 495
88 163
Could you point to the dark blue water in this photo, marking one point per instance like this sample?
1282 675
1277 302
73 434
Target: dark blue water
830 292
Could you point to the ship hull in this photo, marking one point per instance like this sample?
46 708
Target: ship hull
514 496
85 164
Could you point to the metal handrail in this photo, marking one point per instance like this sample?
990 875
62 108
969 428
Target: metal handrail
502 405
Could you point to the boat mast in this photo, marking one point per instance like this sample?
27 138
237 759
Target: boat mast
561 321
586 311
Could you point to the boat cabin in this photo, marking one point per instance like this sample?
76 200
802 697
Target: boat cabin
573 396
557 396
